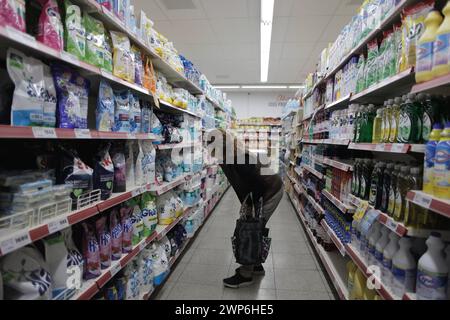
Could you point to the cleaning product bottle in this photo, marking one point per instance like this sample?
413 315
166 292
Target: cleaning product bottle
403 120
441 186
369 294
371 114
432 273
365 179
357 124
404 268
424 51
441 54
395 119
351 269
393 190
376 185
410 121
355 182
400 194
377 127
359 284
430 154
388 120
373 239
383 122
380 245
388 253
386 186
432 114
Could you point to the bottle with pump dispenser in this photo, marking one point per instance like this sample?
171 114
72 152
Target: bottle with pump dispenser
424 57
441 188
441 54
432 271
404 268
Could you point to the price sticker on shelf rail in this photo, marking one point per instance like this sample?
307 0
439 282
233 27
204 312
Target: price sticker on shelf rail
422 200
83 134
115 269
136 192
142 245
131 136
58 225
399 148
391 224
380 147
17 241
45 133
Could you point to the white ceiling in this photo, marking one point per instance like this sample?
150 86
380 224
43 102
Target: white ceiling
222 37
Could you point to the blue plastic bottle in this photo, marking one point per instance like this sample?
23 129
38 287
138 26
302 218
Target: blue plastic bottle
442 165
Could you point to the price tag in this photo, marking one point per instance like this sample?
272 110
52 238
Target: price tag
22 37
83 134
60 224
136 192
18 241
391 224
361 211
42 132
422 200
380 147
142 245
131 136
70 58
399 148
115 268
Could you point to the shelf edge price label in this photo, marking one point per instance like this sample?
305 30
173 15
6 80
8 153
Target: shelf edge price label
136 192
380 147
58 225
15 242
20 36
422 200
391 224
115 268
42 132
83 134
398 148
142 245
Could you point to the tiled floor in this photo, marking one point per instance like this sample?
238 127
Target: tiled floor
292 271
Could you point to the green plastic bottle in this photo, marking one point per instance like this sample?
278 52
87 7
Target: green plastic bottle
357 125
365 179
414 215
395 114
386 187
388 120
371 114
376 185
362 124
431 114
377 127
402 190
410 130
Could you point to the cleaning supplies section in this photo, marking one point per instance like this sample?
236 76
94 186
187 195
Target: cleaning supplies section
104 178
368 162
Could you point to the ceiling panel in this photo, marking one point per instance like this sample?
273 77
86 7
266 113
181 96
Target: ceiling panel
239 51
192 32
337 23
306 29
182 14
349 7
225 9
283 8
303 8
279 28
151 8
294 50
236 30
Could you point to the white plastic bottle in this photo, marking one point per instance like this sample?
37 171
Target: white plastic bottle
432 271
388 253
380 245
373 239
404 268
365 241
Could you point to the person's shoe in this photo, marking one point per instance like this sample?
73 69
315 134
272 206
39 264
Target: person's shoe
237 281
257 270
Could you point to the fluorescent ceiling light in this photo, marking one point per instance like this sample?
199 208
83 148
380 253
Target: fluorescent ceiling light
264 87
296 87
227 87
266 36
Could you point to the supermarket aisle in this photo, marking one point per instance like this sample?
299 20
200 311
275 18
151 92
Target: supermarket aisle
292 271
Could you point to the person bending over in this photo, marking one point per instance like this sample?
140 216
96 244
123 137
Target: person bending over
250 177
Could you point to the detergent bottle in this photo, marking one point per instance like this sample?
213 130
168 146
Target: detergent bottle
395 114
430 154
369 294
432 273
351 268
404 268
424 53
381 244
441 186
441 54
388 254
377 127
373 239
358 286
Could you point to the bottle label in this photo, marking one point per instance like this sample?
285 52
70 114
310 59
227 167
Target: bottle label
441 50
398 205
442 169
387 263
373 192
362 190
379 256
384 197
424 57
393 133
426 126
405 127
371 249
431 285
404 279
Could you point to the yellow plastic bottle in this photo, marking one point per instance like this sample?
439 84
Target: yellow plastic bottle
351 268
395 115
369 294
377 297
359 285
441 54
377 127
441 175
424 51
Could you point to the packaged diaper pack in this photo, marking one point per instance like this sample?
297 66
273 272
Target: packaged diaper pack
28 76
72 92
74 32
105 108
104 172
91 252
104 240
51 31
26 276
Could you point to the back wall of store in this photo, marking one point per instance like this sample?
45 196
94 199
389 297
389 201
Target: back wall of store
259 104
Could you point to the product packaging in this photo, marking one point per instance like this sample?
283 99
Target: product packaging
105 108
91 252
108 53
130 163
136 219
116 234
56 260
128 227
51 31
138 66
138 169
95 41
149 213
135 114
74 32
104 239
49 109
104 173
120 179
12 14
122 111
123 59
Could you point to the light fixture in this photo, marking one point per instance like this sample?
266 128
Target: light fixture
264 87
227 87
266 36
296 87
